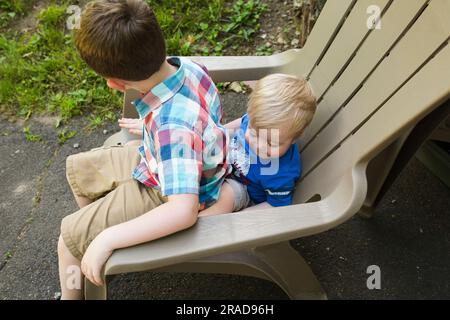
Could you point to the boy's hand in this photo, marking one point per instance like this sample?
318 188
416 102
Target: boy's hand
134 126
95 257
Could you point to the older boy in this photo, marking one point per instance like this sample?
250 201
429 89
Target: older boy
182 161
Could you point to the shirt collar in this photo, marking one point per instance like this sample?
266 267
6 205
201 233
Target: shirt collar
163 91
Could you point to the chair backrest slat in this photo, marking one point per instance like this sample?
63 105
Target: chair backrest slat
400 15
325 29
345 44
426 36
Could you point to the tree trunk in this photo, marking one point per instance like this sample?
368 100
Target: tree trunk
307 13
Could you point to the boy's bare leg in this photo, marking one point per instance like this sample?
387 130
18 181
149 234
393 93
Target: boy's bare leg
225 204
70 276
82 201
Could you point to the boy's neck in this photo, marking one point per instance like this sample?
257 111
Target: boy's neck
165 72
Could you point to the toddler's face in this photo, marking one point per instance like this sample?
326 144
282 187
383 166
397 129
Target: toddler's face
268 143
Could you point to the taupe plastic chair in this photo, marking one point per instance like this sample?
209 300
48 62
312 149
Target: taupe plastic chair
381 92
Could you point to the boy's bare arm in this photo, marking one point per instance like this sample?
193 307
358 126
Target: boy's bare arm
225 203
179 213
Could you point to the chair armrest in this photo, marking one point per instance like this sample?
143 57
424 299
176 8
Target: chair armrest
246 68
217 234
232 232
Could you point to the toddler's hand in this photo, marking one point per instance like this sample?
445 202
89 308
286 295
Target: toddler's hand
95 257
134 126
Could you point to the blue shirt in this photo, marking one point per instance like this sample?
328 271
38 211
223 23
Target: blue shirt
272 180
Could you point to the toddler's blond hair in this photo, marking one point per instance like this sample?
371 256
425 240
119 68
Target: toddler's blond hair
281 100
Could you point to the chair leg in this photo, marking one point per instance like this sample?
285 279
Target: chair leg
92 292
278 263
384 169
289 270
366 212
377 171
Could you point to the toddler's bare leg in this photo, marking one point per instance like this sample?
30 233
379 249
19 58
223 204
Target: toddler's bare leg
225 204
70 276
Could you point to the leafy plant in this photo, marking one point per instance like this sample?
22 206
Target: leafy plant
31 137
8 255
264 50
63 135
11 10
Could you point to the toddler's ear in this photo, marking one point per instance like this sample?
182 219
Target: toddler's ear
116 84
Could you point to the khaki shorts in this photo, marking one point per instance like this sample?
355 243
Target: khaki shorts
104 175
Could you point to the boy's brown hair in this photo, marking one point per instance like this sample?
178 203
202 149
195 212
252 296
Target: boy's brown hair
121 39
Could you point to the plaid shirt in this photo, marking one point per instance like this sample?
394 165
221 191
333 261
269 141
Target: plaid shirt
184 144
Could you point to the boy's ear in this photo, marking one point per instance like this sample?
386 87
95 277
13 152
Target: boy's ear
116 84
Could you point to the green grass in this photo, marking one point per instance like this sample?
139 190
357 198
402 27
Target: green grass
41 72
9 10
207 27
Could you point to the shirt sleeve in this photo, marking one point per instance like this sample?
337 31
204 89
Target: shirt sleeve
280 190
179 159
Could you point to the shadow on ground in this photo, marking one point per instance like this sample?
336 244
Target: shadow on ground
408 237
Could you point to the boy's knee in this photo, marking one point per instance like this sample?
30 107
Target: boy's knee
63 250
69 173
